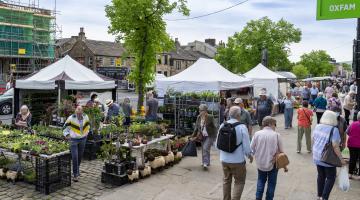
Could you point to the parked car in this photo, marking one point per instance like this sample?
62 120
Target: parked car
6 100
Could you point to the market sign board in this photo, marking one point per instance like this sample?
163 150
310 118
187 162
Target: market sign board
337 9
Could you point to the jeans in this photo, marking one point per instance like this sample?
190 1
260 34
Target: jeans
301 131
206 146
77 147
238 171
347 116
318 116
325 181
354 158
288 113
271 178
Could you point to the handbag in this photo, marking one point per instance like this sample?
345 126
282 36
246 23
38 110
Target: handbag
281 159
200 136
328 154
190 149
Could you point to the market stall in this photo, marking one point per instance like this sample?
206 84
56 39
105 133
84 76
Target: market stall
51 84
203 75
265 78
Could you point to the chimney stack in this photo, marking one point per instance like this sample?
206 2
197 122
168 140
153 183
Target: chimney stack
210 41
82 34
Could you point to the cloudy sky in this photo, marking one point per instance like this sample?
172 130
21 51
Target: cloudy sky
334 36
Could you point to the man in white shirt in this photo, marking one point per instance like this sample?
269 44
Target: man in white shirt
353 87
265 144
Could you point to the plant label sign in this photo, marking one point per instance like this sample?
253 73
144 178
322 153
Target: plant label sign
337 9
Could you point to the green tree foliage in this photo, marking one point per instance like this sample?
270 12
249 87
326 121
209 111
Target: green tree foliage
140 24
244 50
347 67
300 71
317 62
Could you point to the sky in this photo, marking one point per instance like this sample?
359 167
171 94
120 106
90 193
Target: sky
334 36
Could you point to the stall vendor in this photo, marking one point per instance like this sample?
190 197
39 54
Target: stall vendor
23 118
76 129
152 105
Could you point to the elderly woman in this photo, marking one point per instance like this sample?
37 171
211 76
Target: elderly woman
289 102
325 132
205 132
320 104
23 118
354 146
76 129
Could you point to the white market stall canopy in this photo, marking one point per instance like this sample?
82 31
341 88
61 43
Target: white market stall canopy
157 77
265 78
203 75
75 75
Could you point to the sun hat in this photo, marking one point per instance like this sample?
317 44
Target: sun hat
262 93
109 102
238 101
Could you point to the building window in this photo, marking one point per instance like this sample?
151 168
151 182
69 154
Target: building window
90 61
178 65
159 72
112 62
165 73
159 60
171 62
100 61
165 59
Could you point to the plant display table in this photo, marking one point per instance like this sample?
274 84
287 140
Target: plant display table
140 149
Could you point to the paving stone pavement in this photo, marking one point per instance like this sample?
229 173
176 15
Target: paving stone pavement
187 181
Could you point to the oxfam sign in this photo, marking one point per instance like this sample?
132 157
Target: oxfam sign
337 9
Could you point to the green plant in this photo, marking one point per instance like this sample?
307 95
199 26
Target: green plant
107 151
95 116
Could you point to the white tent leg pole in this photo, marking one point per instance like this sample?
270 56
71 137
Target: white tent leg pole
59 101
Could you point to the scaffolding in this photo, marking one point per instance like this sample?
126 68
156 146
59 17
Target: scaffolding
27 37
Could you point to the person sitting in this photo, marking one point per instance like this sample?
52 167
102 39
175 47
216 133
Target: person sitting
23 118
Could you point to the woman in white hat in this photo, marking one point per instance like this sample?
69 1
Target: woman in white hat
349 103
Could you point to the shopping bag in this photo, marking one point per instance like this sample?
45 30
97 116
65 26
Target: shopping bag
344 183
190 149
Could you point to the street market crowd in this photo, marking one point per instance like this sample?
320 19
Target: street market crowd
334 132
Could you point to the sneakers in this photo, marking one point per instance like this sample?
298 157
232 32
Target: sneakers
297 151
76 179
309 151
205 166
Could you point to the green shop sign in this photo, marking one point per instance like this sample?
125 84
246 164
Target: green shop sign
337 9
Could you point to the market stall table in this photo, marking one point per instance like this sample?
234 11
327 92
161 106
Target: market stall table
142 147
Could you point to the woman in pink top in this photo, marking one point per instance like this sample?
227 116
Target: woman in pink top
354 146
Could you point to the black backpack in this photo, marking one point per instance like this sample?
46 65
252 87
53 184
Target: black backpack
226 140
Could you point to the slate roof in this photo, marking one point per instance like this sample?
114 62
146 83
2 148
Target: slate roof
105 48
181 54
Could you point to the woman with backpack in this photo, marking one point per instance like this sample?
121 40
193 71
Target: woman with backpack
205 132
304 126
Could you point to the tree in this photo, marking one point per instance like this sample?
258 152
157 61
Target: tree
244 50
300 71
140 24
347 67
317 62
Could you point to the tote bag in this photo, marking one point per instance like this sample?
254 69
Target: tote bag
328 155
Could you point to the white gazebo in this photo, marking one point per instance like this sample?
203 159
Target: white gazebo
203 75
265 78
65 74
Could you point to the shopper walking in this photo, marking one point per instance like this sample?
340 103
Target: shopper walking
329 90
265 144
353 87
76 129
323 133
306 94
304 126
314 91
264 107
229 104
353 144
234 164
222 109
127 109
245 117
334 102
289 102
152 105
205 132
320 105
349 103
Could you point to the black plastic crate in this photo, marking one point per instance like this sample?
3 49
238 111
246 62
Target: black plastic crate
114 179
92 148
53 174
119 168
